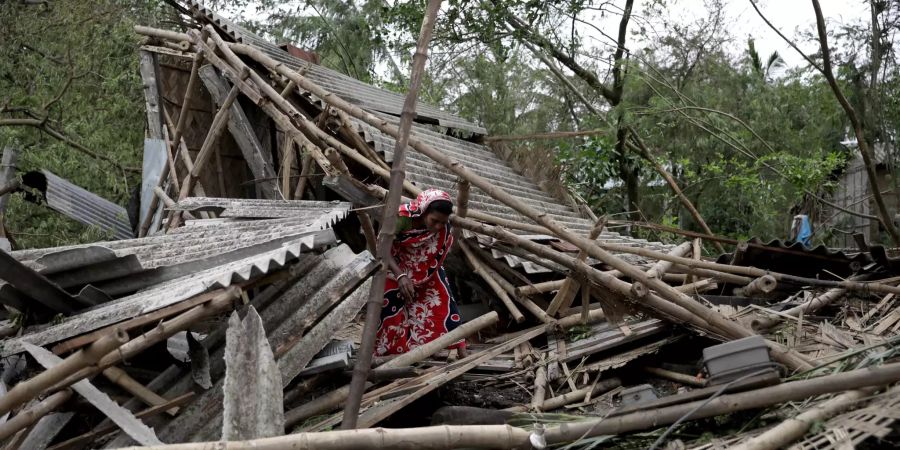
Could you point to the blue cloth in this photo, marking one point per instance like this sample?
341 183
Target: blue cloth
805 232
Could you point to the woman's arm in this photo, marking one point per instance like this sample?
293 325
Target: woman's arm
407 289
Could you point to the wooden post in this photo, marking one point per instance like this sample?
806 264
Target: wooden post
86 357
388 224
661 267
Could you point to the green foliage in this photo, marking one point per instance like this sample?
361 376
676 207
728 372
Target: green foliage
73 64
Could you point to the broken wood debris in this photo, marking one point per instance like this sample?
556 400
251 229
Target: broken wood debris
293 270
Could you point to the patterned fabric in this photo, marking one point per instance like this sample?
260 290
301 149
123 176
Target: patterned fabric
418 206
420 254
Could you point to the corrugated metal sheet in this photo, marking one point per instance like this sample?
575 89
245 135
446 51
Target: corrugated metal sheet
79 204
350 89
791 257
259 208
164 294
171 268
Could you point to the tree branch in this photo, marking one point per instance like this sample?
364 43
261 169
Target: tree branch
789 42
864 149
45 127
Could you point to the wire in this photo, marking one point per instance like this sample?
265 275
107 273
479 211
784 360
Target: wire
711 398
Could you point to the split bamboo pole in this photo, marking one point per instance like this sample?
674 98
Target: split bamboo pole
725 404
795 427
31 415
570 285
387 232
86 357
481 271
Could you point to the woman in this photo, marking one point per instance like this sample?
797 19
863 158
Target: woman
418 306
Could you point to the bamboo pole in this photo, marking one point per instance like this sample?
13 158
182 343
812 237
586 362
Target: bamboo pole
91 436
669 310
86 357
388 224
715 322
540 388
31 415
164 330
188 96
481 271
462 204
574 396
814 304
219 123
335 398
123 380
675 376
759 286
368 229
794 428
662 266
570 285
596 315
725 404
444 437
698 287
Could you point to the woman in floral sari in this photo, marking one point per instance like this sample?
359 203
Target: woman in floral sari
418 306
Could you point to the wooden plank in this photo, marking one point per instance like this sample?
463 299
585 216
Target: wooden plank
259 161
149 68
253 406
119 415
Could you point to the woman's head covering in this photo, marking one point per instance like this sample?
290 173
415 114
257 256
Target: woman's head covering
418 206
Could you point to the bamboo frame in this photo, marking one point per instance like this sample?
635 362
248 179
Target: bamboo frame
481 271
86 357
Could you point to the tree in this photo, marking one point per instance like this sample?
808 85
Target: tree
71 100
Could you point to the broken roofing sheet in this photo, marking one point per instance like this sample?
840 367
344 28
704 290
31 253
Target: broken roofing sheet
78 203
202 255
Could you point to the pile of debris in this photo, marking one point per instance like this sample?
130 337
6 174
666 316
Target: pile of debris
229 308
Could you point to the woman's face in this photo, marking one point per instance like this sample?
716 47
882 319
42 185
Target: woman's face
435 221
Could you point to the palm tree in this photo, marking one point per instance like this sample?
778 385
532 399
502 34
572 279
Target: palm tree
775 61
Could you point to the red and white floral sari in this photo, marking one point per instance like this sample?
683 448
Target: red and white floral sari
420 254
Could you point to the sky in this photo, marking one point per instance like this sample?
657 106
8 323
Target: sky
790 16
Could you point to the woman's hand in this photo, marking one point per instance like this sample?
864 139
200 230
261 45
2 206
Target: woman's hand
407 289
